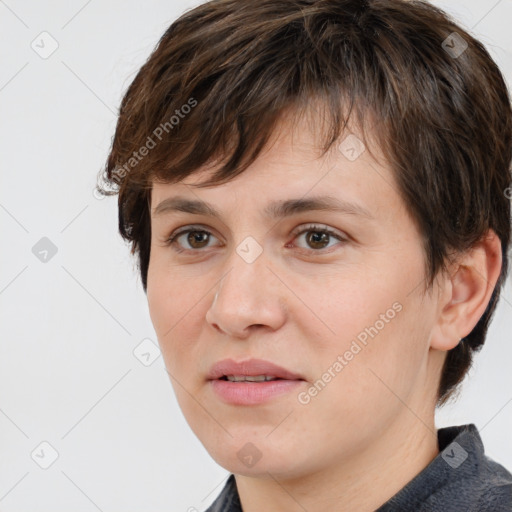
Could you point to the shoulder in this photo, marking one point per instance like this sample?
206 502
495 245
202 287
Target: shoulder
461 478
496 488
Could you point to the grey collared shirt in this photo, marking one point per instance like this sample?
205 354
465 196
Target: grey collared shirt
460 479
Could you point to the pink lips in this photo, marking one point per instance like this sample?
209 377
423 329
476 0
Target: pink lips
250 367
251 393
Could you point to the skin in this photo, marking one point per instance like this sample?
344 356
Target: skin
371 429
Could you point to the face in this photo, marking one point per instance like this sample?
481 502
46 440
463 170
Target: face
333 296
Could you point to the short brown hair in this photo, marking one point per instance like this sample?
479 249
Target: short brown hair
438 98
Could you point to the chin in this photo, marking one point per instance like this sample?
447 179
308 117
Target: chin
258 459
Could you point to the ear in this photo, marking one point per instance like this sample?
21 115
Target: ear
466 291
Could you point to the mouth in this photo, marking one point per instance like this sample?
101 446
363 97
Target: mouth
253 370
250 378
251 382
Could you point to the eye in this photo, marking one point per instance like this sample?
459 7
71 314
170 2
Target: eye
197 238
317 237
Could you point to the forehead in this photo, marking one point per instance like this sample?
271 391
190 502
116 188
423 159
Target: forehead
292 167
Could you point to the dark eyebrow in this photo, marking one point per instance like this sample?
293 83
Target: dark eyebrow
274 210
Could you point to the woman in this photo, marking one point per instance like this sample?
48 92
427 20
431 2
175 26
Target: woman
317 192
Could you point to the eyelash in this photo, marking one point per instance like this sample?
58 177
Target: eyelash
171 240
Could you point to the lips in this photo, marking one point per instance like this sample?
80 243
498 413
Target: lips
239 391
252 368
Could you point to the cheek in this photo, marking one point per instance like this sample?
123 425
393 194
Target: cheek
176 308
159 300
167 291
379 341
346 309
369 390
165 308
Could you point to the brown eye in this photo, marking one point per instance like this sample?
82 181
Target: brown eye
195 240
318 238
197 237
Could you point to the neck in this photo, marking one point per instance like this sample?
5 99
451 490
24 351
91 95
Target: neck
363 482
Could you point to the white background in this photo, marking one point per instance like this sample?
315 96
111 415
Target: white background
69 326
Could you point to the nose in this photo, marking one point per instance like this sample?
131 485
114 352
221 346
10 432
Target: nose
249 296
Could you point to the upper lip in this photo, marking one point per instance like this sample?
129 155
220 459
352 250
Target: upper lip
250 367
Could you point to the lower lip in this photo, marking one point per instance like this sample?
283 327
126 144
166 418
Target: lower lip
252 393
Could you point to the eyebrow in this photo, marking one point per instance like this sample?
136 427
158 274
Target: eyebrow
274 210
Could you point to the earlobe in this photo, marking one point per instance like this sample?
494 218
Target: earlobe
467 292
